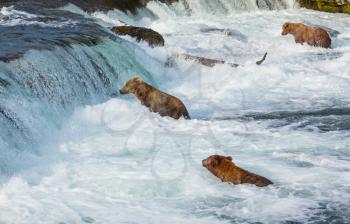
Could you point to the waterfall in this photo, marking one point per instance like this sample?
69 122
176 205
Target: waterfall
224 7
39 90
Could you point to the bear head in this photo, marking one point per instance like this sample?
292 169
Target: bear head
286 28
131 85
214 161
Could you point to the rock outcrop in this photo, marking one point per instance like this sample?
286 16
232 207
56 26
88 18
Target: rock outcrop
342 6
152 37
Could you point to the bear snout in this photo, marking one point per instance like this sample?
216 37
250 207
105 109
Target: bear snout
204 163
121 91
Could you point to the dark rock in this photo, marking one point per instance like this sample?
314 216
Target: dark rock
141 34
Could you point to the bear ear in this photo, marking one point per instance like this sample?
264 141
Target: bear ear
229 158
136 79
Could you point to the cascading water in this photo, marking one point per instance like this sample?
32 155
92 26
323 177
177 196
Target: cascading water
224 7
42 88
46 85
69 153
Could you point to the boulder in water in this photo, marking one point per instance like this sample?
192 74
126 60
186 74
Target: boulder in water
152 37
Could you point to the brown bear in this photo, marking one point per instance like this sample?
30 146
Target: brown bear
227 171
156 100
313 36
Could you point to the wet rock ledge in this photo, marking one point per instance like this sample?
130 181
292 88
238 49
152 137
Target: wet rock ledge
340 6
152 37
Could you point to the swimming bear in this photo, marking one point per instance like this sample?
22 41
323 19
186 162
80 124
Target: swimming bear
227 171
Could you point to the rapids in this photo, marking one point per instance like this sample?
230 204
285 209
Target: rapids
71 151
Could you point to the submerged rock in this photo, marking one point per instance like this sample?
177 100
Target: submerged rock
204 61
211 62
141 34
4 83
87 219
342 6
229 32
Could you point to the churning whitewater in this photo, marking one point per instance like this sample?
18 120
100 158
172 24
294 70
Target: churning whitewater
73 151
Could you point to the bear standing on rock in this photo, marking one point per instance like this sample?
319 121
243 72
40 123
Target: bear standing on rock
313 36
156 100
227 171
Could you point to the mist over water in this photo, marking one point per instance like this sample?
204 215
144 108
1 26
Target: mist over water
70 153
